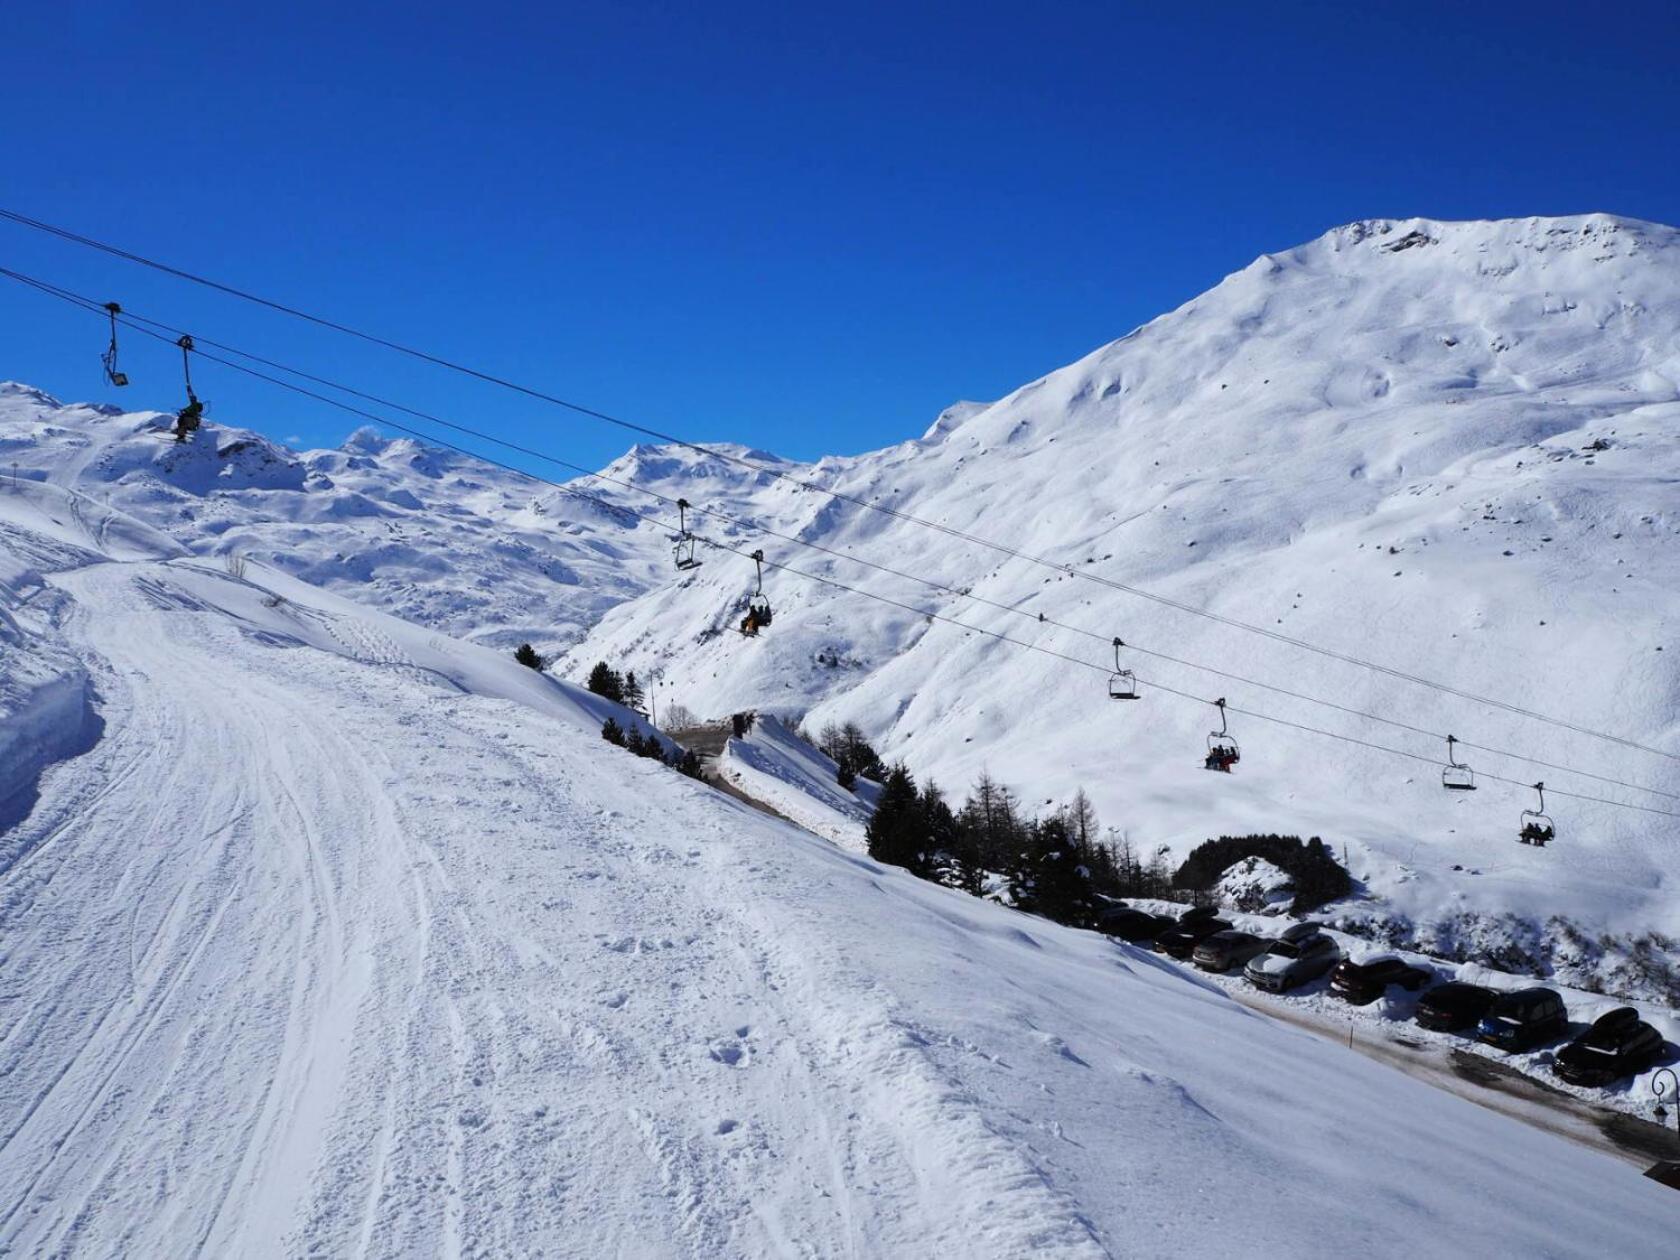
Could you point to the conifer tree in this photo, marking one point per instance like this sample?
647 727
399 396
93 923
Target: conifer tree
894 831
612 732
632 697
527 656
604 681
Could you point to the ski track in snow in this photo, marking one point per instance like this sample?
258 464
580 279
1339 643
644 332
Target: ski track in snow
280 920
316 954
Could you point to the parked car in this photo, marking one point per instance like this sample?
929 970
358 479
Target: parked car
1524 1020
1133 925
1455 1005
1191 930
1224 950
1618 1044
1293 960
1366 980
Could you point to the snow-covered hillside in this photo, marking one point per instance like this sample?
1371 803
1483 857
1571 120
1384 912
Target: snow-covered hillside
1448 447
426 533
348 937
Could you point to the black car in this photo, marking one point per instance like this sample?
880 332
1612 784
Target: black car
1181 939
1224 950
1455 1005
1618 1044
1364 981
1523 1020
1132 925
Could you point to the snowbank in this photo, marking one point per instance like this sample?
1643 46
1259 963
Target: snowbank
773 765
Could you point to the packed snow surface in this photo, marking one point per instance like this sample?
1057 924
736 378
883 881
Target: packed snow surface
349 937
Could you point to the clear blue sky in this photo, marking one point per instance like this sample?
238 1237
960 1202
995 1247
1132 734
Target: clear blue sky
804 228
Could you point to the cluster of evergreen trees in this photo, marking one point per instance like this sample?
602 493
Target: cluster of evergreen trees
1058 865
1311 867
527 656
851 752
619 688
684 762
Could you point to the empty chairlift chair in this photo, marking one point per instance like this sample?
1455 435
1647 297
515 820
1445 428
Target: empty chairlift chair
112 373
1122 685
1535 827
1455 775
1222 752
684 550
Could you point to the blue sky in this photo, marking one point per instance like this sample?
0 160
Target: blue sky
805 229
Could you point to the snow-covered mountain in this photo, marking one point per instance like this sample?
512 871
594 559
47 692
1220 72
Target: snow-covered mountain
338 935
1448 447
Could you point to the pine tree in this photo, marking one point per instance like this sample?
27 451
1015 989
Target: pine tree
845 776
894 831
527 656
604 681
612 732
632 690
1057 881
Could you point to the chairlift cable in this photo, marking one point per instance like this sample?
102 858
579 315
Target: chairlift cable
839 495
613 508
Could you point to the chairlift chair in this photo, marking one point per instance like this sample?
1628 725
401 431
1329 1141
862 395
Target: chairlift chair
191 416
109 358
1222 752
1536 828
684 550
1455 774
1122 683
758 607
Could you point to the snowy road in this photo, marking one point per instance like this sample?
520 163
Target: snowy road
315 953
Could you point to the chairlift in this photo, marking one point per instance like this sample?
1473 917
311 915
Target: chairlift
758 607
191 416
1122 684
1537 829
1222 752
684 550
1455 774
109 358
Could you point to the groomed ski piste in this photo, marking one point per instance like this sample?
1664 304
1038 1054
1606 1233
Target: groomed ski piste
340 936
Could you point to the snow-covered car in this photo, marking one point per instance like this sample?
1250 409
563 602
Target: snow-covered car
1132 925
1364 979
1289 963
1454 1005
1619 1044
1224 950
1181 939
1524 1020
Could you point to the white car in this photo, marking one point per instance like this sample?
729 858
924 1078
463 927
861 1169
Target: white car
1298 957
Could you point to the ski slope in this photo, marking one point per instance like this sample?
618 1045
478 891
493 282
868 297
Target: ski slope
348 938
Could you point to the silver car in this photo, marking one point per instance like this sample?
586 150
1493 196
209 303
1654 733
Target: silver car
1293 960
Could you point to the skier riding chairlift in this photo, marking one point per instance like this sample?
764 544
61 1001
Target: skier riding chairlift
1222 752
191 416
1536 828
